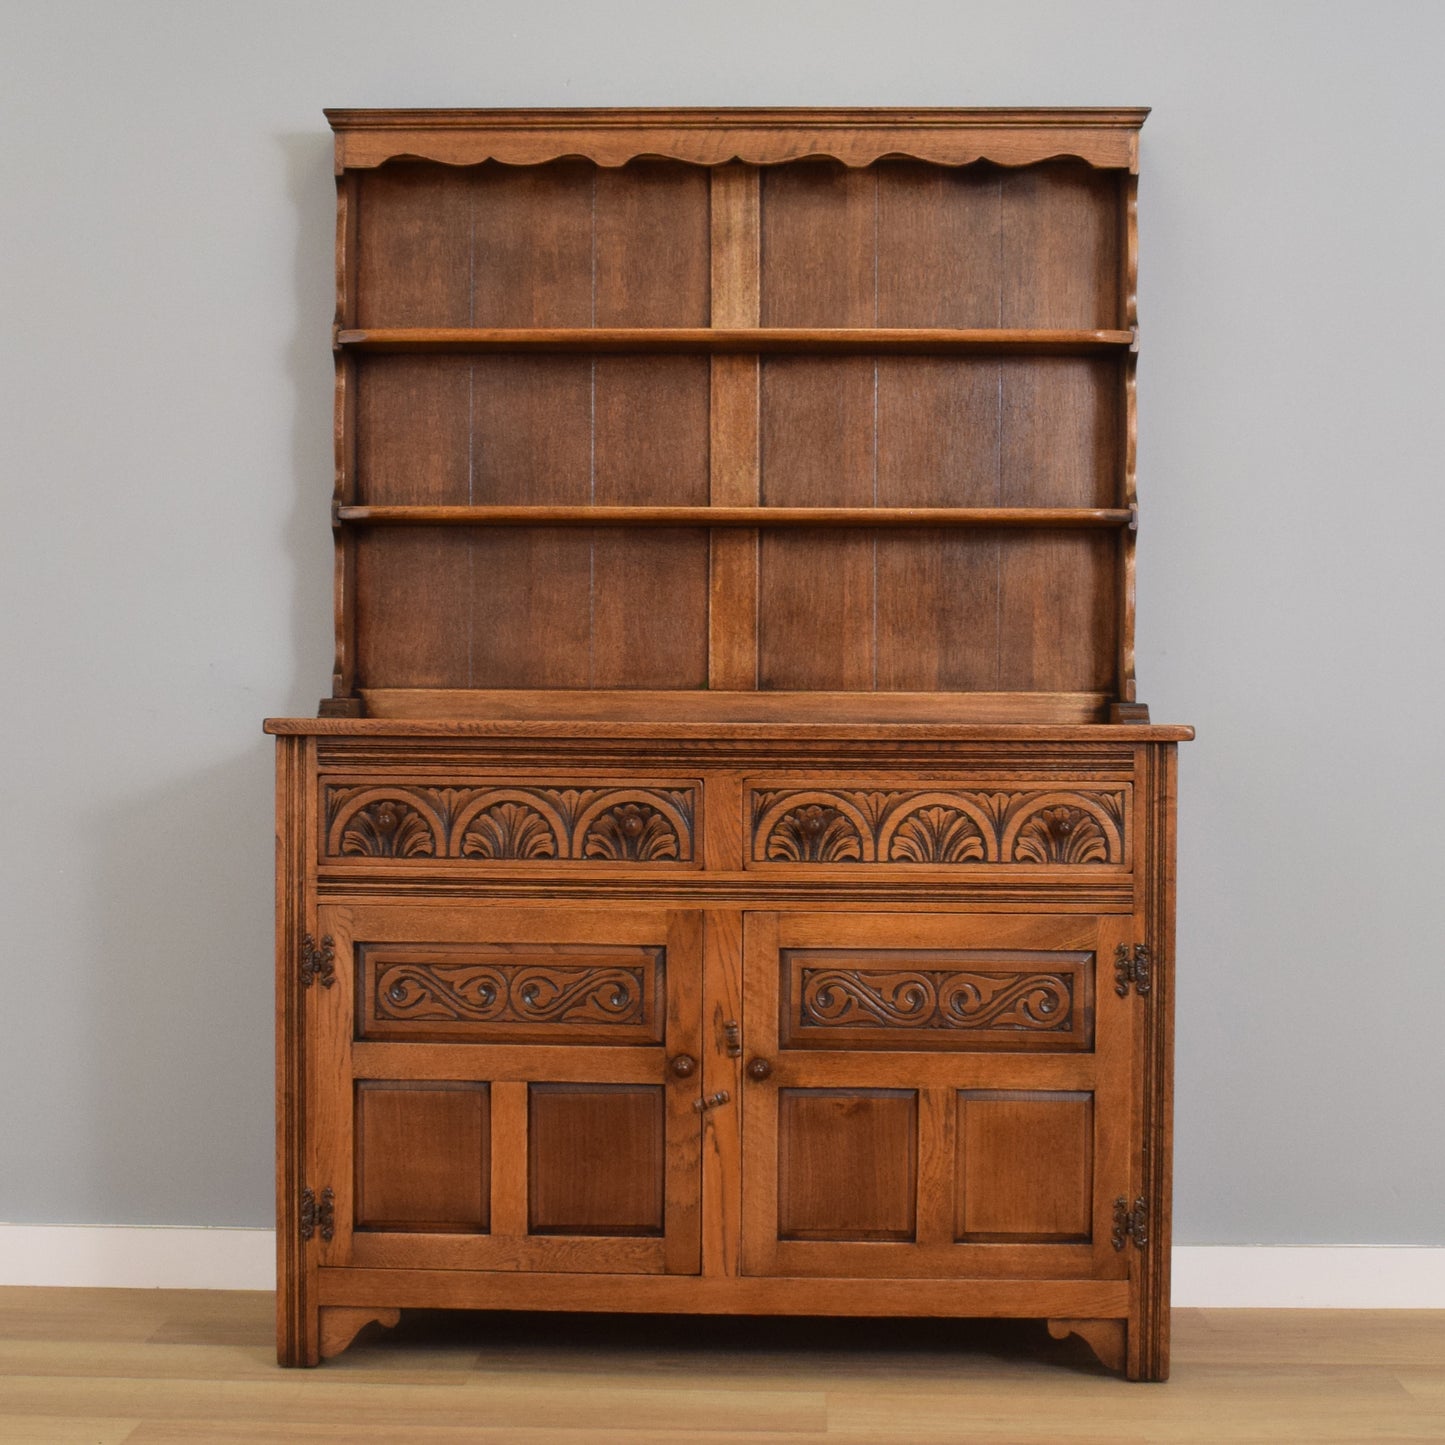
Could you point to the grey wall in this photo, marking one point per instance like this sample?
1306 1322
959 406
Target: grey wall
165 298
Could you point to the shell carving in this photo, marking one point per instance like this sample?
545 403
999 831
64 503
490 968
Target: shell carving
937 835
941 824
631 833
814 834
1061 835
388 828
509 830
512 822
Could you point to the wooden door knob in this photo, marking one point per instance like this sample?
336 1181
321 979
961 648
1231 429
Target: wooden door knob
684 1066
759 1069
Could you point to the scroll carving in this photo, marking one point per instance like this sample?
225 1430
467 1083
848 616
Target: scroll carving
934 999
502 822
940 825
503 993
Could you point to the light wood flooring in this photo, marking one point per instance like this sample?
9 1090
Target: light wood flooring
105 1366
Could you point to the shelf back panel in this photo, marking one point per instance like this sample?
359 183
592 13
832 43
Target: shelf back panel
805 243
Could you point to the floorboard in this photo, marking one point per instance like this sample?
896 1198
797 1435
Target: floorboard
139 1366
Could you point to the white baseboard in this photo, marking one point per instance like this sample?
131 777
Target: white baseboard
1308 1276
124 1257
1205 1276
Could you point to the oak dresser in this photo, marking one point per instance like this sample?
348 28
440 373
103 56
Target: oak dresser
733 872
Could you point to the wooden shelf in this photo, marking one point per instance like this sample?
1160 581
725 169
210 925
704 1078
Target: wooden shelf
826 341
435 516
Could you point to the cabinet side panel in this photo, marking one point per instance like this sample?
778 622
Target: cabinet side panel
296 1315
1152 1359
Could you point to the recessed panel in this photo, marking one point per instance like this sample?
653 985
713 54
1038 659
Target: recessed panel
847 1163
1025 1166
511 992
595 1159
422 1156
954 999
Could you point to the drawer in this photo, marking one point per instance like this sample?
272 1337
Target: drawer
577 823
792 823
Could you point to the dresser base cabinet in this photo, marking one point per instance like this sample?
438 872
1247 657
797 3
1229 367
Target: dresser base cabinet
720 1025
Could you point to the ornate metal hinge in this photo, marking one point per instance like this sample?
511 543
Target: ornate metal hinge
1131 966
317 1216
1131 1223
318 963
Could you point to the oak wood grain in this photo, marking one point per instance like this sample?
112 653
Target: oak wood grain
144 1366
734 873
741 338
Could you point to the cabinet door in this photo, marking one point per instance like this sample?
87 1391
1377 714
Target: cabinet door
508 1088
935 1095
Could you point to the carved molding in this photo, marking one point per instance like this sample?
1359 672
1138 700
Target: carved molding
939 825
510 993
855 138
934 999
504 822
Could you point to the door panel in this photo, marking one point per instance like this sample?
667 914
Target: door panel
867 1136
498 1091
423 1160
934 1094
595 1159
1025 1165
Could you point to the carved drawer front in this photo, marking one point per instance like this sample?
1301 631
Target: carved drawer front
901 998
801 823
510 993
512 821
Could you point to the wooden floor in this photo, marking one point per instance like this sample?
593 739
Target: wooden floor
104 1366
